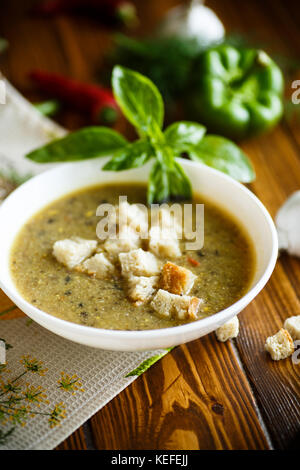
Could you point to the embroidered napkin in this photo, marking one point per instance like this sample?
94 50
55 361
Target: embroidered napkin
49 386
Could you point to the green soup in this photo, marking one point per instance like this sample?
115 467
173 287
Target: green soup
224 266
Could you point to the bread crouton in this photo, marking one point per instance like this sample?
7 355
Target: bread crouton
141 288
171 305
139 263
131 215
280 346
98 266
292 325
176 279
165 219
127 240
72 252
229 330
163 243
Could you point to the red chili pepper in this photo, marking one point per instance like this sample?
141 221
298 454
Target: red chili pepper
121 10
193 262
95 100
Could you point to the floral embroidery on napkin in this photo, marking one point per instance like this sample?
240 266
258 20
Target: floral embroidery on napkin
21 400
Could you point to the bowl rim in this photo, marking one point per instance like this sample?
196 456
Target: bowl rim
220 317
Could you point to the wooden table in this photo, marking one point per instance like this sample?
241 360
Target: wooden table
203 395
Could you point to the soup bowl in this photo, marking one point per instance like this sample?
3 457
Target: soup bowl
215 186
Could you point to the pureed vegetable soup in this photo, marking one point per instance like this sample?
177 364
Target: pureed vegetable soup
224 266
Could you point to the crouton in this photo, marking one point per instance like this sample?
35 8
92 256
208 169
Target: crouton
163 303
176 279
172 305
165 219
292 325
72 252
127 240
163 243
98 266
141 288
131 215
280 346
229 330
139 263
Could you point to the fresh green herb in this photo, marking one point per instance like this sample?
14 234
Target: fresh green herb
139 99
224 155
184 135
130 156
145 365
48 108
142 104
89 142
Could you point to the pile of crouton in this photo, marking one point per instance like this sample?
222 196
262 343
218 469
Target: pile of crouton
148 279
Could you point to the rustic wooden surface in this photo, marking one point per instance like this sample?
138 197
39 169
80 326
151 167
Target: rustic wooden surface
203 395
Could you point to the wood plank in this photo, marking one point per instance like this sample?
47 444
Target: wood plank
196 397
5 303
276 158
74 442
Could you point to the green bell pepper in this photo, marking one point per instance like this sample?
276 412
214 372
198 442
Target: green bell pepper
239 93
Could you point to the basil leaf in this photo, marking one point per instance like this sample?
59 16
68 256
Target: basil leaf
89 142
224 155
132 155
184 134
164 155
166 183
158 184
179 183
139 99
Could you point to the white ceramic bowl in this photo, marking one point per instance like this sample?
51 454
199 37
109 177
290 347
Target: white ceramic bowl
213 185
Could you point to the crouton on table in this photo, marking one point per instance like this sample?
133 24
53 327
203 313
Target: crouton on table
73 251
280 346
292 325
176 279
172 305
229 330
139 263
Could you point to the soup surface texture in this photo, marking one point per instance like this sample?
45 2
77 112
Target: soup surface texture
224 266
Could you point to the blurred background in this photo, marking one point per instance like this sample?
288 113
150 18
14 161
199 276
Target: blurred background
82 40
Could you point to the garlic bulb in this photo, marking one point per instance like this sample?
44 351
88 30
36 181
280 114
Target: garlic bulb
288 225
194 20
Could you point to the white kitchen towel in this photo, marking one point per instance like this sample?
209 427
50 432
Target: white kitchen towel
61 384
22 128
79 380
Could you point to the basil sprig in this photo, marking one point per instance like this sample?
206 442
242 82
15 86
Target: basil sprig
142 104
